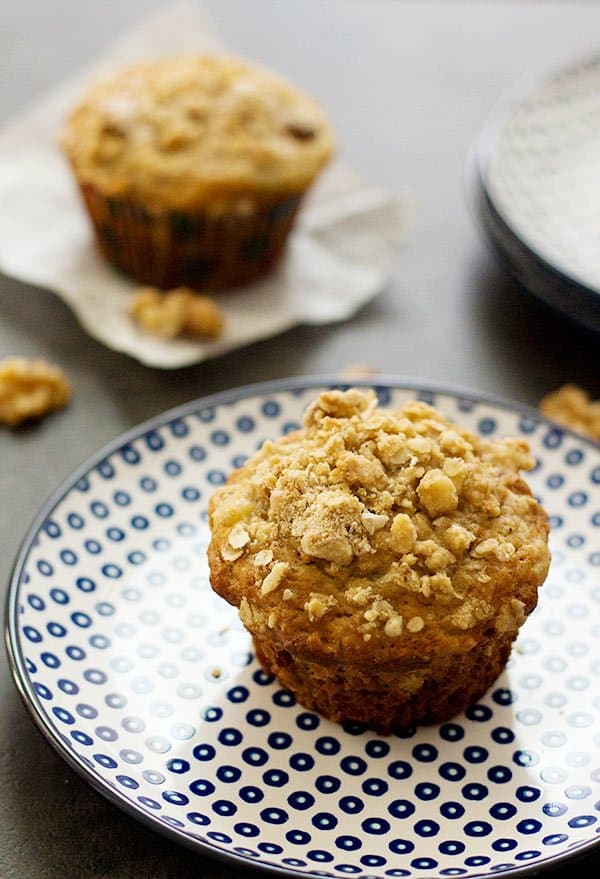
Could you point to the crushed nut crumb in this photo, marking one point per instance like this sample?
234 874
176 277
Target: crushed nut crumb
29 389
393 626
318 605
357 371
437 493
176 312
415 624
373 522
572 407
458 538
404 534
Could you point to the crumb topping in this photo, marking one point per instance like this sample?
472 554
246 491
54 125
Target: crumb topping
397 520
173 132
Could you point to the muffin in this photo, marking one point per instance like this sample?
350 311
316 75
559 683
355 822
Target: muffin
382 561
193 168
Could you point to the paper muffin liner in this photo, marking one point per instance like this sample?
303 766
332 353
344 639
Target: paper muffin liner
199 250
382 695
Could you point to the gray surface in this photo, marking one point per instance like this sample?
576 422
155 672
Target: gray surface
407 85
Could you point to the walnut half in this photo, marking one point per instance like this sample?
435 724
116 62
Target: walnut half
30 389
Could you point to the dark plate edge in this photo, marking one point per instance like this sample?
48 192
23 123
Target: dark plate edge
476 176
16 660
561 293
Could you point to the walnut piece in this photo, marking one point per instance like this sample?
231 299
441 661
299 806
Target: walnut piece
404 534
373 522
572 407
437 493
30 389
393 627
318 605
176 312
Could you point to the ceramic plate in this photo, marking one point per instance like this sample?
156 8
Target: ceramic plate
539 167
145 682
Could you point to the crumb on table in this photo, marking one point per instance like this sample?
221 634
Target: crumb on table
30 389
572 407
176 312
357 371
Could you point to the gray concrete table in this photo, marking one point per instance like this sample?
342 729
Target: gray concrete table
408 85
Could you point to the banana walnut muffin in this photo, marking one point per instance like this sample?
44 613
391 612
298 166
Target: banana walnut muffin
382 561
193 168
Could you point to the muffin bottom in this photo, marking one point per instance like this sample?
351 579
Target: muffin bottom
385 699
198 250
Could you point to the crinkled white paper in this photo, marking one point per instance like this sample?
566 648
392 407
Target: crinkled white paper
341 254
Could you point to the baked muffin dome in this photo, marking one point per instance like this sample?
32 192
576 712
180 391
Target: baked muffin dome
183 132
383 561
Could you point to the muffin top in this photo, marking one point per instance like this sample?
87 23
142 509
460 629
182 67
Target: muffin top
395 534
174 133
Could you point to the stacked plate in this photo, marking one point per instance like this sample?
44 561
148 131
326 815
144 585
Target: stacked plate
537 190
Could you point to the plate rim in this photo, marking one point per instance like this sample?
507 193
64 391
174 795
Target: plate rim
16 658
478 163
530 270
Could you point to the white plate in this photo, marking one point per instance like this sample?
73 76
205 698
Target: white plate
539 166
144 680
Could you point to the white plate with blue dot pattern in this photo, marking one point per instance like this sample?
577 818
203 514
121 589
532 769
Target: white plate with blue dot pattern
145 682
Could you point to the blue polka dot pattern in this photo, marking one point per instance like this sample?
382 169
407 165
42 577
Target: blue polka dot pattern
146 676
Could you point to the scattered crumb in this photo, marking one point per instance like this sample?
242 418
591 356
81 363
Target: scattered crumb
357 371
30 389
572 407
176 312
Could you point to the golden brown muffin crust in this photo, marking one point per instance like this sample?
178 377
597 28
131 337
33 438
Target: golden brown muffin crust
175 133
389 535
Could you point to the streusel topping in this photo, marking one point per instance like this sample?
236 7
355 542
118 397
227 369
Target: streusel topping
172 132
384 522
